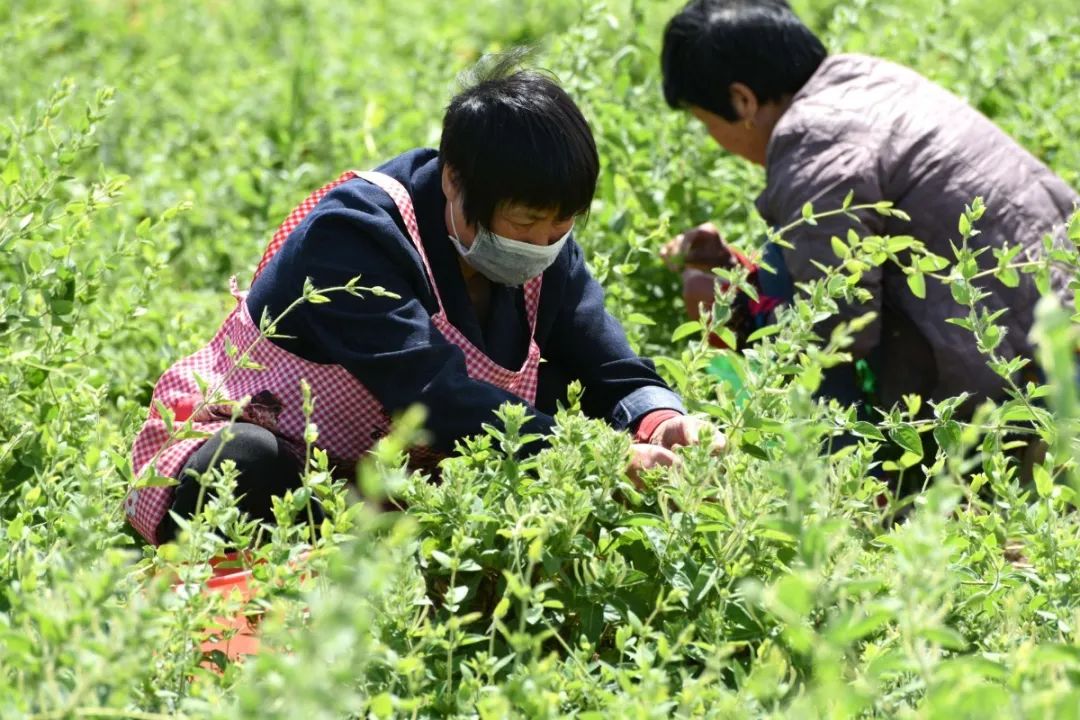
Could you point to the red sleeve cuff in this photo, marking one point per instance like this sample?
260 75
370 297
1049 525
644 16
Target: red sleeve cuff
745 261
650 421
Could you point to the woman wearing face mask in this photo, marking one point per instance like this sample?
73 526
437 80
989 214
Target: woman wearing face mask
475 240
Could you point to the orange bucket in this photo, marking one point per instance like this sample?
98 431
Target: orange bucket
244 641
229 575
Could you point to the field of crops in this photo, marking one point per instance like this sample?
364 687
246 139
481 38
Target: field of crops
148 149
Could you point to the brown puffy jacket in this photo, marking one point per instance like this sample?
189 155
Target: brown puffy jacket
871 126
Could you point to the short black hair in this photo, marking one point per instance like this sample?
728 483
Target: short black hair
515 136
711 44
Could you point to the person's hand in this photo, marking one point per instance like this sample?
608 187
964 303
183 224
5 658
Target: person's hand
684 430
701 248
698 289
644 456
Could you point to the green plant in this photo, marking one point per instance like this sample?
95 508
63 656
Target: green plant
768 582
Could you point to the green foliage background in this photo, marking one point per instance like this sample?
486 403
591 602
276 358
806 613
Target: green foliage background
148 152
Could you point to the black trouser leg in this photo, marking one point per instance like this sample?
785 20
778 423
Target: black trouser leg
266 469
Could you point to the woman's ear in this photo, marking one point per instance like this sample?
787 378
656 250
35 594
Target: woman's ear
449 184
744 101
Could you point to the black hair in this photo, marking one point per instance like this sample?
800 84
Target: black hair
711 44
515 136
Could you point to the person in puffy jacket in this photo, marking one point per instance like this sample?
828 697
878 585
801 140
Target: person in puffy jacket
824 126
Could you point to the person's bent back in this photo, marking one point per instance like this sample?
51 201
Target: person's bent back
824 126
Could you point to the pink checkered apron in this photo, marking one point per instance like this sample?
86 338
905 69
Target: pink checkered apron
349 418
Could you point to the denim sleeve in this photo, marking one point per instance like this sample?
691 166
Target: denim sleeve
589 345
642 402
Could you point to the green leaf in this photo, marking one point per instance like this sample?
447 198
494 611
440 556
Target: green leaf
644 519
898 243
867 430
839 248
908 459
932 263
155 480
728 337
15 528
1044 483
1008 276
639 319
917 282
686 330
142 230
190 433
753 451
946 637
674 368
1042 280
964 226
247 363
947 435
977 481
961 292
842 251
11 173
856 625
907 437
382 706
763 331
795 593
301 497
501 609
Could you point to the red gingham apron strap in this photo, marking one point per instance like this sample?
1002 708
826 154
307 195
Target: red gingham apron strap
400 196
295 218
532 303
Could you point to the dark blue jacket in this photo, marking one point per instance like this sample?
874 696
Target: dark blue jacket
392 347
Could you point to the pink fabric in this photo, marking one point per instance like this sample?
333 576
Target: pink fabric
650 422
765 304
349 418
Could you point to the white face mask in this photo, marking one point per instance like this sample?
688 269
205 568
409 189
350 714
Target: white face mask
506 261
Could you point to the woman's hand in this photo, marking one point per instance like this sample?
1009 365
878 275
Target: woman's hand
700 247
699 288
644 456
674 432
684 430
